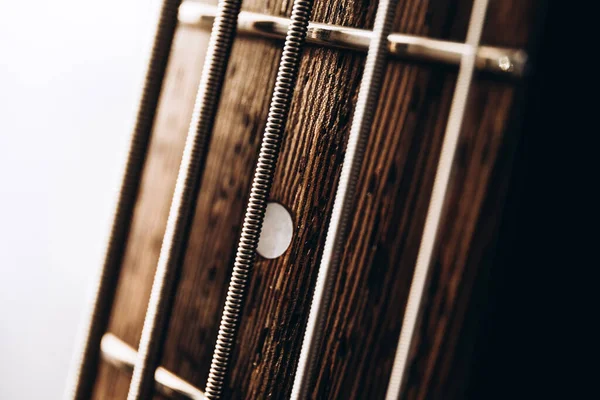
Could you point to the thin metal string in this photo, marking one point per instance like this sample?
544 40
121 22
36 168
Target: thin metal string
368 97
259 194
184 198
436 203
81 377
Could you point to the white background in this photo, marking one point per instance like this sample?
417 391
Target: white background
70 71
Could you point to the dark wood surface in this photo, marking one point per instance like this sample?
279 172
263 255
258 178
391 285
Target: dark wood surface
154 199
391 203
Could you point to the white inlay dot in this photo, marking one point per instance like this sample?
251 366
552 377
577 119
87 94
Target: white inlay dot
277 231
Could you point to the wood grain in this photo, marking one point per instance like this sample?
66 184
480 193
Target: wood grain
154 199
220 209
391 203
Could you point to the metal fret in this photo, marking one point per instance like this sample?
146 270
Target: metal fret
497 60
184 197
436 203
259 194
81 377
122 356
368 96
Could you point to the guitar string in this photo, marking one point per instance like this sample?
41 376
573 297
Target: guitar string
184 197
259 194
368 97
436 203
86 357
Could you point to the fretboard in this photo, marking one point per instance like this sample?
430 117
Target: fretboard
393 194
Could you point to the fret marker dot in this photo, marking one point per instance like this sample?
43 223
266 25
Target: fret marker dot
277 231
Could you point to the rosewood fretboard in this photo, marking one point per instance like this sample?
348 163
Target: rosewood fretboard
393 194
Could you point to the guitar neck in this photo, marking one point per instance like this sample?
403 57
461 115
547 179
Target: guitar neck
391 202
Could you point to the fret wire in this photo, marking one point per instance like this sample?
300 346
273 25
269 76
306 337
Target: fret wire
121 355
456 116
184 198
498 60
368 96
259 194
81 377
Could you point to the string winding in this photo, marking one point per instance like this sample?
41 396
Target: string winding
184 198
259 194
